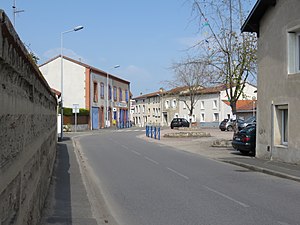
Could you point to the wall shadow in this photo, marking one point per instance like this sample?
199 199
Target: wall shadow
58 209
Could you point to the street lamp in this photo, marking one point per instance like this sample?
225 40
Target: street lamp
62 77
107 120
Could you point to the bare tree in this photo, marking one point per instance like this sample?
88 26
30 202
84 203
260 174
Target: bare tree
192 77
230 53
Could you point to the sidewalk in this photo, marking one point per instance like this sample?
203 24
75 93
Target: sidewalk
203 146
67 202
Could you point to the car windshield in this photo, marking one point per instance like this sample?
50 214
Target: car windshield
250 129
250 120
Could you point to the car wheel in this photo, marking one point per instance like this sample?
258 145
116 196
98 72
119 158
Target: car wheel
244 152
172 127
222 129
229 128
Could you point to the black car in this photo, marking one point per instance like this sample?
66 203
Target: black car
179 122
244 140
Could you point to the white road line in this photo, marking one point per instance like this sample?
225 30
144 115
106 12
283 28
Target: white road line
124 146
226 196
137 153
179 174
151 160
283 223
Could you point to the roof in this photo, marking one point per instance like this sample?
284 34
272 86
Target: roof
252 22
94 69
243 105
212 90
153 94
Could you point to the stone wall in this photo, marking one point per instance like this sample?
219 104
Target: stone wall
27 131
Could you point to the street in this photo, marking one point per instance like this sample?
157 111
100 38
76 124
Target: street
148 183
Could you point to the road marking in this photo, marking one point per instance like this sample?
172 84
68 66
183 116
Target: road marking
124 146
226 196
137 153
151 160
179 174
283 223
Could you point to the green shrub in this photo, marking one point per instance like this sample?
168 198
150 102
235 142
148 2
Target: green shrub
69 112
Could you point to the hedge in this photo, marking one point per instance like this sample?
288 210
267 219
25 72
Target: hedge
82 112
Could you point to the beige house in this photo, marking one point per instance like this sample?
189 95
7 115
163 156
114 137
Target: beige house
277 24
147 109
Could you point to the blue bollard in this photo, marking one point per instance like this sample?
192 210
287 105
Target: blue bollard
158 133
154 132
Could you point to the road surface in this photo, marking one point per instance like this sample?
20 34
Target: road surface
145 183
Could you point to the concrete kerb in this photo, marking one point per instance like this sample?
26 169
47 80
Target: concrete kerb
262 170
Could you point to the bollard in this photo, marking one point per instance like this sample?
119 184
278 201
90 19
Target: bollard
158 133
147 130
154 132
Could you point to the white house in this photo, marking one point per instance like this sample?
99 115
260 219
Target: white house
105 95
211 108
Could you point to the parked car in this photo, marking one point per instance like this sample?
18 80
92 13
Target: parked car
179 122
250 121
227 124
245 140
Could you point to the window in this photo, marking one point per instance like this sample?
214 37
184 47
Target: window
202 117
215 104
101 90
194 118
202 105
167 104
284 130
95 96
174 103
143 108
115 93
126 96
294 51
281 127
109 92
216 117
120 95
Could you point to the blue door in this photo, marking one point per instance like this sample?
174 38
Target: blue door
95 118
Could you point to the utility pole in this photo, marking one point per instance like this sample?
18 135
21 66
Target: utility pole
15 11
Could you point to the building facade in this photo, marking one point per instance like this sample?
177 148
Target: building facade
209 110
147 109
211 105
105 95
277 24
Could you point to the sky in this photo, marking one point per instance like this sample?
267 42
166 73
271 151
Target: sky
143 37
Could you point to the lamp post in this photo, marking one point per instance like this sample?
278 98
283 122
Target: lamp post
107 120
62 77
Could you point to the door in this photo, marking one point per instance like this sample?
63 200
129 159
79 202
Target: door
95 118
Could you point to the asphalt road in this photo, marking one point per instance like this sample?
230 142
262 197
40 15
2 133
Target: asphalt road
146 183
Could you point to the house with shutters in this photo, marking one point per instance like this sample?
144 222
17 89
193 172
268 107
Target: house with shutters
106 96
277 24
